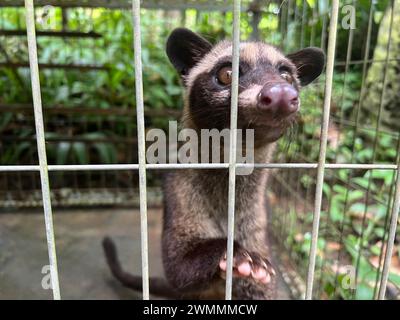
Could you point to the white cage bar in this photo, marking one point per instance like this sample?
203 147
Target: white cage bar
232 147
44 176
321 166
141 146
323 145
169 166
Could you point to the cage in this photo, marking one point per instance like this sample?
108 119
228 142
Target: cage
335 191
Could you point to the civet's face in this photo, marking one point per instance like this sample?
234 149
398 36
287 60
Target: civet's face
269 82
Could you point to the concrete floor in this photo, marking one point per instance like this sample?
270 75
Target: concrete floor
82 269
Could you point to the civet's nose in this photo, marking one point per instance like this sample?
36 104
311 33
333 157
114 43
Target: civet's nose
280 99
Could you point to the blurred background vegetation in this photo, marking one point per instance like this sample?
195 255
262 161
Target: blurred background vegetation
87 82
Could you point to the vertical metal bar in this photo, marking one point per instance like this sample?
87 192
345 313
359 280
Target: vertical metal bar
285 44
346 71
291 21
364 72
283 22
284 207
2 23
391 238
183 18
141 145
390 242
375 144
303 23
232 146
323 32
255 9
342 115
383 251
328 220
44 175
356 128
323 145
314 22
389 208
93 45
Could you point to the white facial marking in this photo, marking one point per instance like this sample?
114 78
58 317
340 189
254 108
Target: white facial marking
248 97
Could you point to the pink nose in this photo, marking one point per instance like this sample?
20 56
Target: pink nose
280 99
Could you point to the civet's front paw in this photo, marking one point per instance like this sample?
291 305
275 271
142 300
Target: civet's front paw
249 264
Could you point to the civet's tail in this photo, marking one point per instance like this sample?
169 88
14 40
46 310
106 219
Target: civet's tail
157 286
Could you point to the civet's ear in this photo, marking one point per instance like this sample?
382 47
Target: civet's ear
185 48
309 63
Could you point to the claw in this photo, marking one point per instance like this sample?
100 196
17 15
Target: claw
259 268
248 257
269 267
264 265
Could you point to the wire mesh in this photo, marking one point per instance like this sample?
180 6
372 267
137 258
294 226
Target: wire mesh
297 182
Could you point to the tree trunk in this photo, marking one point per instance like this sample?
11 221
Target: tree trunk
371 101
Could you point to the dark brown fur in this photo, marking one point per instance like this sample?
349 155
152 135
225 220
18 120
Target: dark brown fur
195 201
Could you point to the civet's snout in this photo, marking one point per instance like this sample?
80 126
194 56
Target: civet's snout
278 100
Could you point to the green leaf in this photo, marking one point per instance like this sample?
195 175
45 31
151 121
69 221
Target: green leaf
364 292
80 152
326 189
5 119
63 149
355 195
363 182
357 208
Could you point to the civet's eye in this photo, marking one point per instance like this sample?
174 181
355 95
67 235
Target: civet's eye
287 76
224 75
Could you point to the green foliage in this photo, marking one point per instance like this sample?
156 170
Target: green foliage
356 202
113 87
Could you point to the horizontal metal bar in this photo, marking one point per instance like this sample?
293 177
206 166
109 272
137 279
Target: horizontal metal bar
203 5
86 140
87 110
355 62
51 33
166 166
81 67
361 166
315 165
359 127
19 168
125 197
